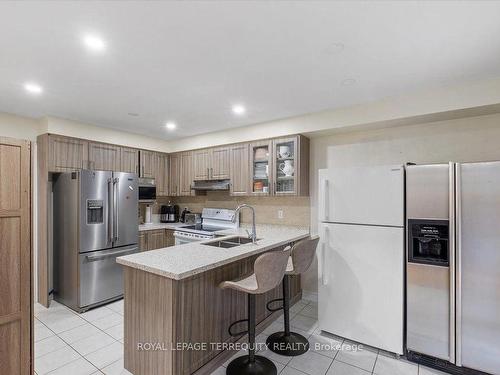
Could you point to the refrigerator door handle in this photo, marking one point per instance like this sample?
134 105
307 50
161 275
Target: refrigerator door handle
115 209
110 210
324 256
326 202
452 258
458 266
94 258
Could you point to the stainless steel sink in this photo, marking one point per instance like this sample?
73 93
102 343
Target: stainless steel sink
229 242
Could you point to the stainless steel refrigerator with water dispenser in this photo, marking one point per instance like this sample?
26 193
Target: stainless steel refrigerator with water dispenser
94 221
453 265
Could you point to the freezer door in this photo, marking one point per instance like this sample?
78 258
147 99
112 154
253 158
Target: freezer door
101 278
363 195
94 210
478 279
361 284
125 206
428 191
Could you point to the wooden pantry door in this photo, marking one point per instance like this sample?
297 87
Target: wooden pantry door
15 257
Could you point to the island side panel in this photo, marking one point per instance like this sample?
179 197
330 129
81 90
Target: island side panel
195 310
149 318
206 311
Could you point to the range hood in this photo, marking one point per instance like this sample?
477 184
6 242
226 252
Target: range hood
210 185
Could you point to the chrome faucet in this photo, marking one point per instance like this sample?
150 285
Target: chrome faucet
253 235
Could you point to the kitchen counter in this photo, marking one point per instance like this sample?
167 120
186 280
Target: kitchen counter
154 226
183 261
173 299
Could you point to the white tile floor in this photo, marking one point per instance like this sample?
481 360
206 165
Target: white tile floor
92 343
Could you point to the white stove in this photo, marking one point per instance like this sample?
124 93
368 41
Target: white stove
213 220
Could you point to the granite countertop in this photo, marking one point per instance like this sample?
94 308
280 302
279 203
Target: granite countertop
183 261
153 226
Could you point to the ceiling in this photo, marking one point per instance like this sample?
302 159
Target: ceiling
190 62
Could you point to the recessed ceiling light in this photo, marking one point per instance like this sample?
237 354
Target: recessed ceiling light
238 109
94 43
133 114
348 82
33 88
171 125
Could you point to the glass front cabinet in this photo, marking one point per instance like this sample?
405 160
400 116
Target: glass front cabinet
280 166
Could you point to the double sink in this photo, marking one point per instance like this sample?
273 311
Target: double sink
229 242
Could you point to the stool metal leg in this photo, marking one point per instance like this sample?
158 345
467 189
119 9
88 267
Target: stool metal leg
286 342
251 364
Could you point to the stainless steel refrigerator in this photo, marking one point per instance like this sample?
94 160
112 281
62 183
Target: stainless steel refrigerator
95 220
453 265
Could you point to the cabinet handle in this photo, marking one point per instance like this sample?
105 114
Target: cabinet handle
208 174
211 173
143 171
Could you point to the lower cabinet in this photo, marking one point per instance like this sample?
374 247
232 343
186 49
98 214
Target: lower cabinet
156 239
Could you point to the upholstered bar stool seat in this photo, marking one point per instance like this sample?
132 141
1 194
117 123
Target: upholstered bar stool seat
286 342
269 270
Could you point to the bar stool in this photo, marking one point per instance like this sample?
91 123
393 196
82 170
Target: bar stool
285 342
269 269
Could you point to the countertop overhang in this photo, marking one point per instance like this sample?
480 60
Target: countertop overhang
183 261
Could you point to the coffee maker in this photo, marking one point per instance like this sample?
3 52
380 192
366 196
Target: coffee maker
169 213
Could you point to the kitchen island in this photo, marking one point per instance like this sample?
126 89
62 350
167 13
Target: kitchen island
176 316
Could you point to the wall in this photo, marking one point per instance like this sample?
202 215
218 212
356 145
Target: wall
20 127
467 139
96 133
296 210
433 104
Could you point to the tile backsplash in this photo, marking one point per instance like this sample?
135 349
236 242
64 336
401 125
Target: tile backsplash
296 210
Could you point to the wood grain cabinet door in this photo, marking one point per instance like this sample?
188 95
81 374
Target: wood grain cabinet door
143 241
67 154
129 161
161 175
239 170
186 173
15 258
169 236
220 163
201 164
173 175
147 163
104 157
156 239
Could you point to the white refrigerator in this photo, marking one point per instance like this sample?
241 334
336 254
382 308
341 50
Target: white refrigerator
362 255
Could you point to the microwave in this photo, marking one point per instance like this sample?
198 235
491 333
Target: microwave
147 190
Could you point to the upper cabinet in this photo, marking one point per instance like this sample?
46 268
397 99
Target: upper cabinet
104 157
186 173
211 163
66 154
271 167
280 166
147 164
173 175
291 166
261 168
201 164
129 160
239 169
162 175
219 168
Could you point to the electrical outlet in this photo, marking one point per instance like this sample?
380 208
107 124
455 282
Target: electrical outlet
280 214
